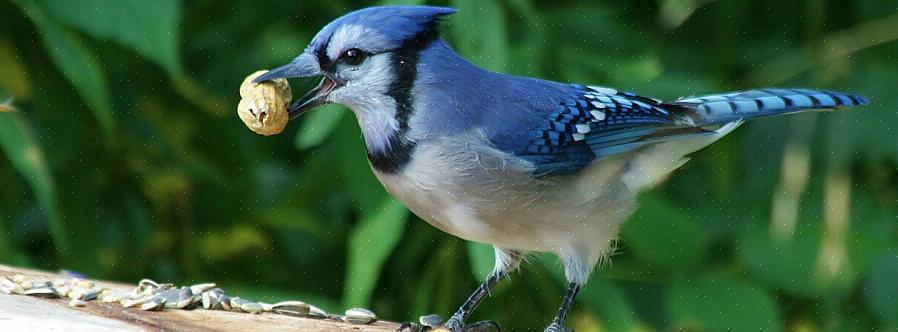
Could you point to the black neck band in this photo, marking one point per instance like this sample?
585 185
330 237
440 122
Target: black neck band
399 149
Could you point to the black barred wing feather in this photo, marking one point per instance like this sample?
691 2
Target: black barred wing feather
594 123
597 122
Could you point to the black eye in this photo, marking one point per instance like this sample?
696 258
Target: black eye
353 57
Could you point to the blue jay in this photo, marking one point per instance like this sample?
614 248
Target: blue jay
520 163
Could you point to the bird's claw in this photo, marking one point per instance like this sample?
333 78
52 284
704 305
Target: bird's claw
433 323
481 326
555 327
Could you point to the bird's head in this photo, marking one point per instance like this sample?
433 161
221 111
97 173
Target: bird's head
363 57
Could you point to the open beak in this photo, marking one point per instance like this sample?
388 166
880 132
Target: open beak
305 65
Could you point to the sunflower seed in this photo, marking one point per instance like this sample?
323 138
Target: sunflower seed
200 288
115 296
409 327
144 283
316 312
225 302
251 307
360 316
431 320
237 303
154 304
209 301
87 284
175 298
77 303
292 308
9 286
45 292
134 302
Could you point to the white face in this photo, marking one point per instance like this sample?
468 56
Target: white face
365 85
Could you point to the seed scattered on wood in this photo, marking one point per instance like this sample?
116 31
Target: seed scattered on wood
316 312
431 320
77 303
150 295
292 308
360 316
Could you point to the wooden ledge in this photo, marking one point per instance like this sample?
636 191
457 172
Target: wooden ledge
27 313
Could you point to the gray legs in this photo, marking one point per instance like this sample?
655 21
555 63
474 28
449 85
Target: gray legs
558 323
506 261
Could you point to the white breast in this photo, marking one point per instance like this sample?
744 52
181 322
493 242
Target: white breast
481 194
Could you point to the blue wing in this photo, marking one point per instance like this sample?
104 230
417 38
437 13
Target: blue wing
597 122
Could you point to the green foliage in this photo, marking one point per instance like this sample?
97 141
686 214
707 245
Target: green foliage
722 304
370 244
76 62
126 160
149 27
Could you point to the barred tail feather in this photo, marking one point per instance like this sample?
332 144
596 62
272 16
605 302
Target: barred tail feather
728 107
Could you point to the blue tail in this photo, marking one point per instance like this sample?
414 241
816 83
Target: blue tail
728 107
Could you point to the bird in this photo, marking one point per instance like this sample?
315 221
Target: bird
523 164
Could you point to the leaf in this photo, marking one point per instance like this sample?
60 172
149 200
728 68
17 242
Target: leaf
77 63
482 257
479 31
6 250
15 79
370 244
148 27
22 149
662 235
318 126
881 291
721 304
356 178
793 264
609 303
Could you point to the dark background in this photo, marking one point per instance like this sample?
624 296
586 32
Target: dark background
126 160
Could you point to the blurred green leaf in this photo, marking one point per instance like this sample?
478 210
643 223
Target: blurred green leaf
881 291
148 27
15 78
662 235
370 244
366 192
479 32
722 304
793 264
317 126
77 63
6 249
482 257
609 303
22 149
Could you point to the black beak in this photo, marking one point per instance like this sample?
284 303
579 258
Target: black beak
305 65
314 98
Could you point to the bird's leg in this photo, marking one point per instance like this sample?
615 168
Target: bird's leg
558 323
506 261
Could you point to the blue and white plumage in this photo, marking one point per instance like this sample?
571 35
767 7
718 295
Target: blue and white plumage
520 163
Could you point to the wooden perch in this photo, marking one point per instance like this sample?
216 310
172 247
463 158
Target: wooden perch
27 313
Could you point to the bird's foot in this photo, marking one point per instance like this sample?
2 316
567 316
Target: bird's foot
433 323
481 326
556 327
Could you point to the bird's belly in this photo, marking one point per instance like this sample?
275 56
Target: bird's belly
487 196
